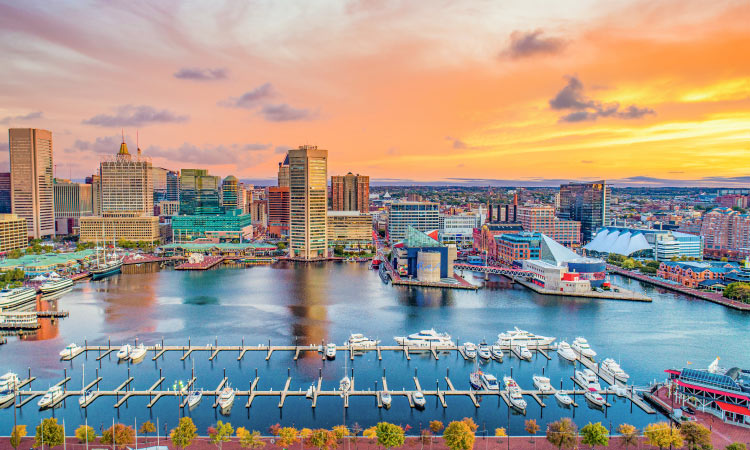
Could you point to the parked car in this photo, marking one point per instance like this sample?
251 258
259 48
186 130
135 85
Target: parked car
688 410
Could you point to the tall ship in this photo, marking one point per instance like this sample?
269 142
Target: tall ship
12 298
105 268
523 337
55 283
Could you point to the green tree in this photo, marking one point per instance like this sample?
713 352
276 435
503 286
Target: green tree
250 439
123 435
736 446
662 435
695 435
436 426
49 433
595 434
389 435
562 433
628 435
288 436
322 439
220 434
146 428
18 433
458 435
500 432
532 428
340 431
182 436
85 434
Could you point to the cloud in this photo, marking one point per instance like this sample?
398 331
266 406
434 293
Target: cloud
21 117
135 116
250 99
587 161
571 97
285 113
457 143
281 149
200 74
236 154
101 145
529 43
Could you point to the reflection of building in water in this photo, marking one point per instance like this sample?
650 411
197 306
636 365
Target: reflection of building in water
128 300
308 286
418 296
149 267
48 328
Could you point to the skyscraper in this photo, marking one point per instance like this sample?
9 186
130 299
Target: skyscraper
159 180
96 193
587 203
5 193
72 201
350 193
199 192
127 184
173 186
283 176
230 194
308 176
31 176
278 211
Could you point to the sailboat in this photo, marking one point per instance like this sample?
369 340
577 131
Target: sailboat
107 268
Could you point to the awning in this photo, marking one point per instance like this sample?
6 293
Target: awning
713 391
737 409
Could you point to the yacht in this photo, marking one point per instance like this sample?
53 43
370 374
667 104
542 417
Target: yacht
385 397
331 351
418 399
9 381
490 382
610 367
358 340
11 298
86 397
470 350
70 350
475 379
484 351
514 393
194 398
542 383
588 379
310 391
517 336
581 346
565 351
345 384
55 283
563 398
226 400
594 397
6 396
425 339
124 352
51 397
137 353
497 352
523 351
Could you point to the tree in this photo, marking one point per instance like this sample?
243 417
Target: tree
85 434
662 435
322 439
123 435
389 435
532 428
595 434
628 435
436 426
288 436
695 435
250 439
562 433
736 446
500 432
370 433
220 434
147 427
305 433
458 435
274 429
182 436
340 431
18 433
49 433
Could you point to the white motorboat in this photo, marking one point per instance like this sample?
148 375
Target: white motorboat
566 352
226 400
594 397
475 379
514 394
11 298
489 382
345 384
331 351
86 397
137 353
618 390
55 283
385 397
50 397
582 347
588 379
542 383
9 381
194 398
418 399
484 351
497 352
425 339
563 398
358 340
70 350
310 391
610 367
470 350
124 352
523 351
517 336
6 396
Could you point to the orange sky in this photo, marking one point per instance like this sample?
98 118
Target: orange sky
425 91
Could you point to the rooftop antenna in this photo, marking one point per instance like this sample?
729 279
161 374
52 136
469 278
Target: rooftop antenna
137 145
123 135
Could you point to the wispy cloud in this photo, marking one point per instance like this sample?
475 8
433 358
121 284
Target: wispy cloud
135 116
250 99
571 97
458 144
529 43
236 154
20 118
201 74
285 113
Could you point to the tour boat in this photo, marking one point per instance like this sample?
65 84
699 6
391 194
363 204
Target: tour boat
418 399
385 397
588 379
55 283
11 298
475 379
358 340
137 353
523 352
310 391
194 398
542 383
609 366
70 350
514 393
425 339
565 351
124 352
497 352
581 346
86 397
226 400
331 351
594 397
484 351
470 350
517 336
489 382
9 381
563 398
50 397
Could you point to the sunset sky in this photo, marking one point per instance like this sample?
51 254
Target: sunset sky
640 92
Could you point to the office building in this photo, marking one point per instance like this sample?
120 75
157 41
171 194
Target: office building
458 229
31 179
230 194
173 186
283 175
168 208
5 193
120 226
72 201
349 229
14 233
127 183
423 216
587 203
259 213
96 193
199 192
232 226
726 233
541 218
278 211
484 237
350 193
159 182
308 186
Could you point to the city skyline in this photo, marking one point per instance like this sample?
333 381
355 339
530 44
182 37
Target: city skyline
635 93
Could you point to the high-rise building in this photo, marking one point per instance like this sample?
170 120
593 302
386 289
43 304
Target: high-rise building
199 192
230 194
541 219
283 176
349 229
423 216
350 193
259 213
726 233
587 203
31 173
72 201
14 233
5 193
308 186
127 184
159 179
96 193
173 186
278 211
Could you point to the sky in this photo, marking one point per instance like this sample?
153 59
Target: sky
482 91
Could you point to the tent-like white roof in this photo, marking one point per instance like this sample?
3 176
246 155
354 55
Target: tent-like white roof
618 241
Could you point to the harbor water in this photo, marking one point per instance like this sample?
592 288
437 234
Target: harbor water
291 303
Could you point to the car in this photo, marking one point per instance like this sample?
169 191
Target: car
688 410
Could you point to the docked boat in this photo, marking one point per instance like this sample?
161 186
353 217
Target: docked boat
6 397
588 379
226 400
86 397
15 297
425 339
331 351
566 352
55 283
514 394
310 391
484 351
582 347
542 383
358 340
70 350
124 352
523 351
517 336
345 384
563 398
594 397
50 397
497 352
106 269
475 379
385 397
194 398
137 353
489 382
470 350
9 381
610 367
418 399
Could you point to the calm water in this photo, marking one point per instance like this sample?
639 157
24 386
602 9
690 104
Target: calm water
312 303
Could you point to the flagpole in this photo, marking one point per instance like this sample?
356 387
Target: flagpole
86 420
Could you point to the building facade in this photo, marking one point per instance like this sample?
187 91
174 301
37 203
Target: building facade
423 216
5 193
690 274
458 229
308 187
230 198
31 179
96 193
542 219
72 201
229 227
127 184
283 175
661 245
349 229
350 193
587 203
515 247
726 233
278 211
199 192
13 233
128 227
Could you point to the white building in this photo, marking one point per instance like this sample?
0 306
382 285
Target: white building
424 216
458 229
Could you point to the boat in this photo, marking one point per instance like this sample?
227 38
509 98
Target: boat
9 381
137 353
489 382
50 397
593 396
484 351
106 269
345 384
310 391
55 283
582 347
385 397
566 352
542 383
194 398
124 352
497 352
523 351
425 339
12 298
418 399
470 350
6 396
226 400
588 379
331 351
517 336
358 340
563 398
610 367
86 397
475 379
618 390
70 350
514 394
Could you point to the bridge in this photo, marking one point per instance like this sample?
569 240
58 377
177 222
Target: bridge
507 271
